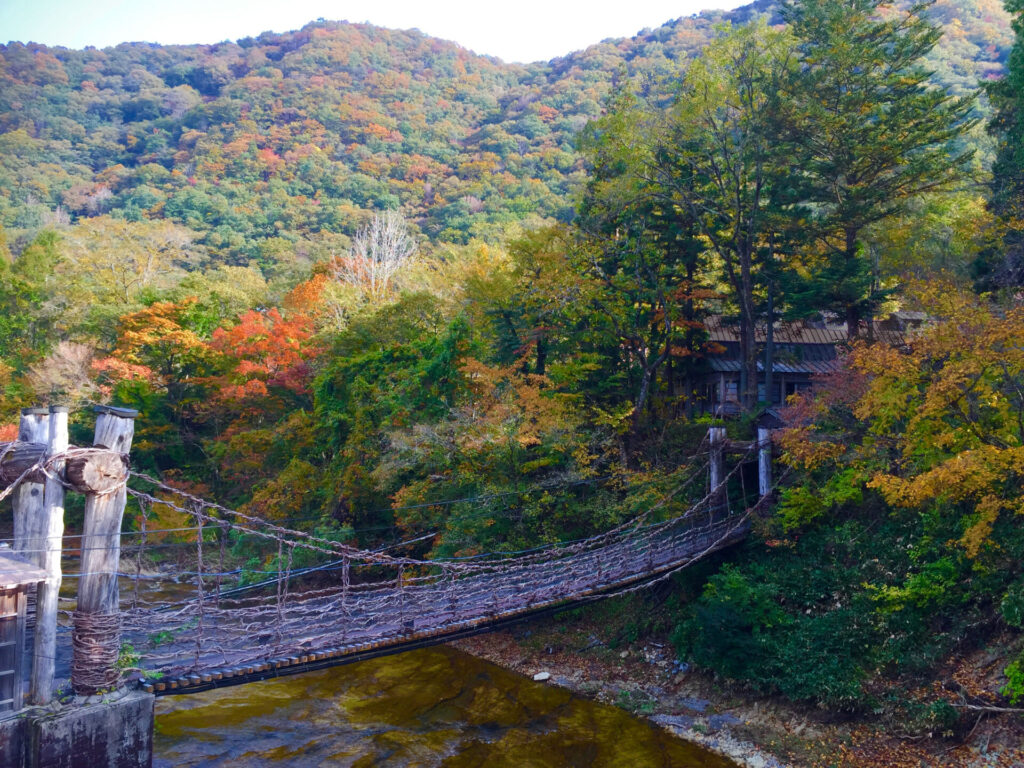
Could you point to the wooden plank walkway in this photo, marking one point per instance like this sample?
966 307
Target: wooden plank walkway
202 644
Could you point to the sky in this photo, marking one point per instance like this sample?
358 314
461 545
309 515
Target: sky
513 30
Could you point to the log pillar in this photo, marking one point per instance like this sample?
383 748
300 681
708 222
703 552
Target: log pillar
97 622
27 499
764 461
51 528
716 437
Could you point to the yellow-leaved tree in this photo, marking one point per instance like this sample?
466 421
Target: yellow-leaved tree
935 431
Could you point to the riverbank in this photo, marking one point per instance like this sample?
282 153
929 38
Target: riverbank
754 730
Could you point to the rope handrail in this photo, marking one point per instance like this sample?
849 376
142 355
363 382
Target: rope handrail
306 540
186 627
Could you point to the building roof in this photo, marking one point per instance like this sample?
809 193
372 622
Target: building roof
16 572
800 332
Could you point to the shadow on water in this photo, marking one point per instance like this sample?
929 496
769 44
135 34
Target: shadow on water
431 707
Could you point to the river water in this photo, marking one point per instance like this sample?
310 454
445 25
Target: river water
432 707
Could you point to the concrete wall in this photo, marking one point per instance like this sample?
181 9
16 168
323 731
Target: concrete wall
105 733
13 734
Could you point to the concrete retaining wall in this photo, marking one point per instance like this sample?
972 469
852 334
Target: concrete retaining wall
114 732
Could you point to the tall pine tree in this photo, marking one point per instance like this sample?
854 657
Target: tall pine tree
873 133
722 163
1003 264
641 252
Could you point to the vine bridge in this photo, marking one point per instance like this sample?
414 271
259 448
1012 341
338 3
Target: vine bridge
180 631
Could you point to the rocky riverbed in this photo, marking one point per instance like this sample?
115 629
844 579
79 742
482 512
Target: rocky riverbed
754 730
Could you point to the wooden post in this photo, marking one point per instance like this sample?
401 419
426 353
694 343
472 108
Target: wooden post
764 461
97 634
716 437
27 499
51 542
90 470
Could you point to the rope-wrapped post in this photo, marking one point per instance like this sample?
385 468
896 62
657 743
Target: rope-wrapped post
345 577
764 462
718 491
51 528
96 640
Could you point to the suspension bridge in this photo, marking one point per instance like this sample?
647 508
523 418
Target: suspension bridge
184 631
385 604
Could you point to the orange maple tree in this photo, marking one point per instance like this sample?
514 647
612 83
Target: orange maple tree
268 358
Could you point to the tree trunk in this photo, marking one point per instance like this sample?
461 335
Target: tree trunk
852 310
769 347
641 399
748 357
852 321
748 346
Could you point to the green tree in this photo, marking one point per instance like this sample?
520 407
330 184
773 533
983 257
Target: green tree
874 134
721 162
1003 264
528 305
639 250
26 292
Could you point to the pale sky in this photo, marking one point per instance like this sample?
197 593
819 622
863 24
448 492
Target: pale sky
514 30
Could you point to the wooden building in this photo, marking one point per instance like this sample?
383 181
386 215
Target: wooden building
802 351
16 576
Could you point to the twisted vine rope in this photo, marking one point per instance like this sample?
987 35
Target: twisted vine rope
382 598
96 639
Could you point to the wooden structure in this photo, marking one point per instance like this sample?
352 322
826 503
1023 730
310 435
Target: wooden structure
799 351
716 467
115 730
396 604
16 576
764 462
97 634
44 466
85 470
206 641
720 445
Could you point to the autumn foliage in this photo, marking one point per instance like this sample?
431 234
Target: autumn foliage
268 355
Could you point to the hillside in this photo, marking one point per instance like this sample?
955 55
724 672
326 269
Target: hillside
197 233
274 146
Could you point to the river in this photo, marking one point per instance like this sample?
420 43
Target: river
432 707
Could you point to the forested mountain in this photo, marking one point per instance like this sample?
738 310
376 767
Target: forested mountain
373 286
273 146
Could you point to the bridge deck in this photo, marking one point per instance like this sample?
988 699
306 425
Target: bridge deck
202 645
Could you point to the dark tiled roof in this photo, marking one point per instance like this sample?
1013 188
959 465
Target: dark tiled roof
800 333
